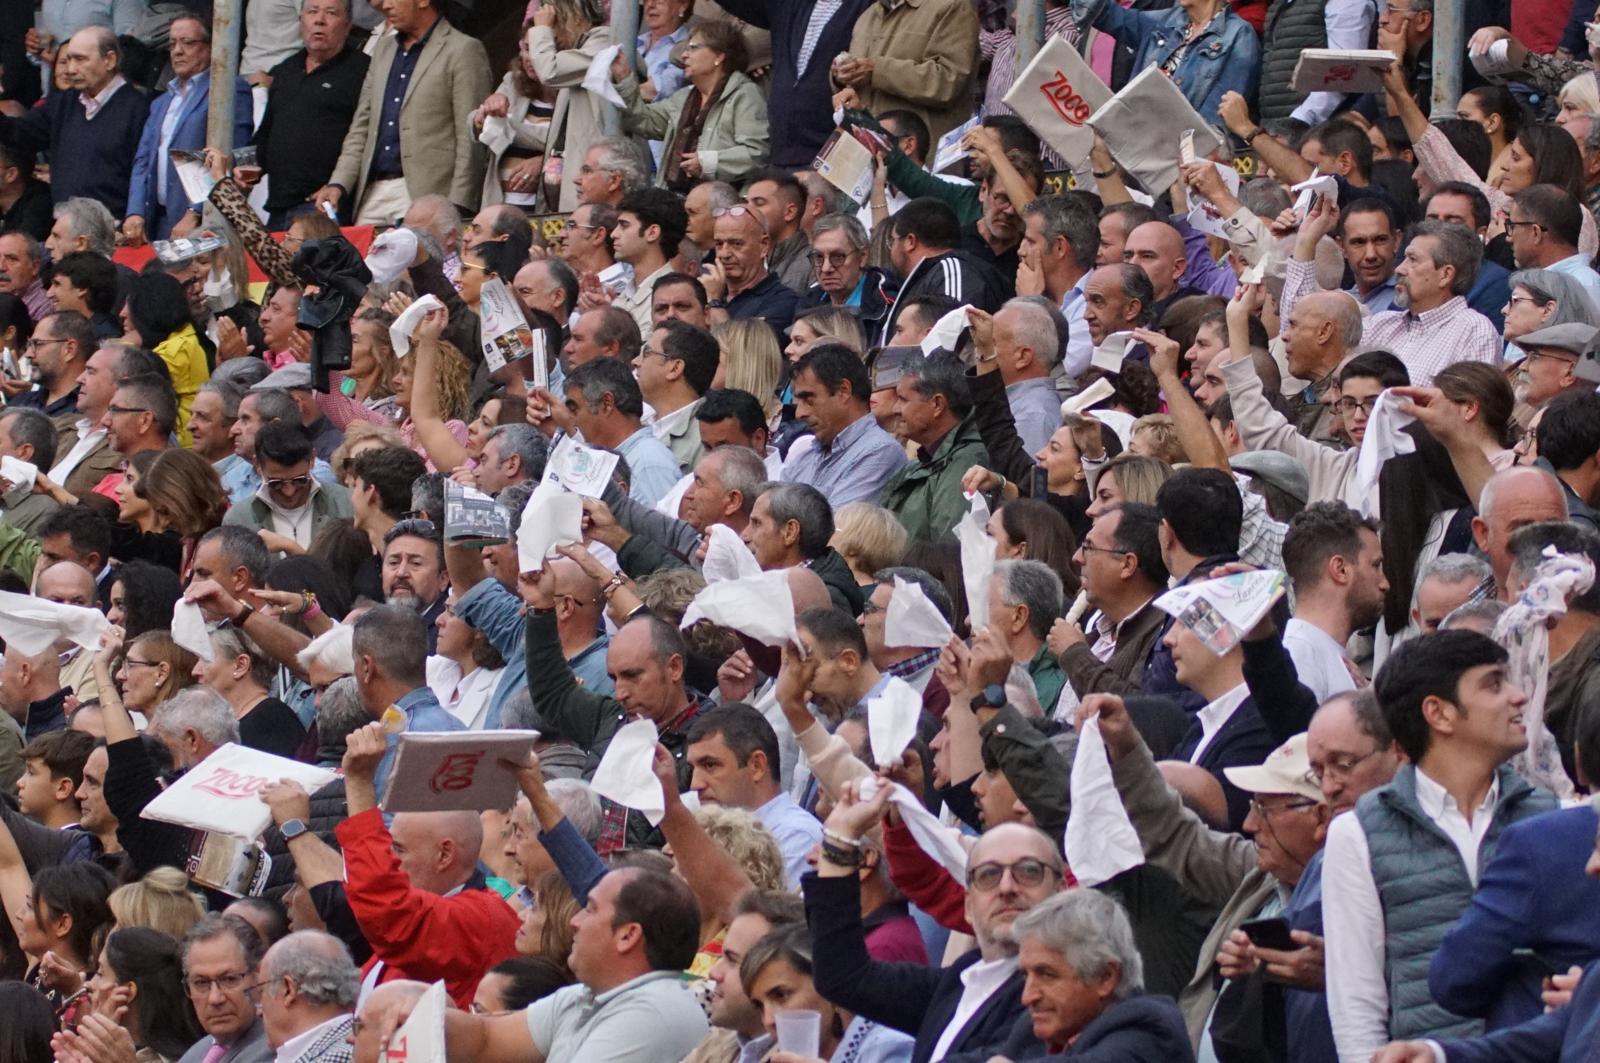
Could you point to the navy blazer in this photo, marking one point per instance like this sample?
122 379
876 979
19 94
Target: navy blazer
189 135
1533 894
1243 740
913 998
1567 1035
1142 1027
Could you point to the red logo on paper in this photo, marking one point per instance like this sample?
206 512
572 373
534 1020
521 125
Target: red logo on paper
1068 104
230 785
1339 74
455 773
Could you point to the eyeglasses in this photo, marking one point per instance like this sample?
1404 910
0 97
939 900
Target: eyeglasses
289 481
832 258
572 223
36 342
1268 811
651 352
126 409
1366 406
1515 299
1509 224
1090 548
131 663
228 983
1340 767
695 46
1533 353
868 609
740 210
1025 872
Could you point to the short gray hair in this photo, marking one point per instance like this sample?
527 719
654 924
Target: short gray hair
241 548
523 441
1455 568
1091 932
834 200
29 425
808 508
932 589
1037 330
217 925
620 155
320 966
91 220
742 471
333 650
854 232
1062 217
229 393
721 194
1264 197
198 709
339 712
233 642
1455 246
396 638
1031 583
579 804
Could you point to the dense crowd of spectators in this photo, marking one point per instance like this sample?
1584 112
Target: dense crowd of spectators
1000 390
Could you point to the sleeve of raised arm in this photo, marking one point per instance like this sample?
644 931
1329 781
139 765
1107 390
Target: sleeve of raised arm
586 717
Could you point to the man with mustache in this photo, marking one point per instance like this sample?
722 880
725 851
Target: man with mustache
414 575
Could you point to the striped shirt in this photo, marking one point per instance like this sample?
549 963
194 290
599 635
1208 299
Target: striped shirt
1000 48
1425 342
820 16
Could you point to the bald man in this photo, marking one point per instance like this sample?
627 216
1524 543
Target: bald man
1514 498
69 583
414 887
1322 330
738 284
368 1034
1157 248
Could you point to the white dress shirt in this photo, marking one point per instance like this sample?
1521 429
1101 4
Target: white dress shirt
979 982
1214 715
89 437
1354 929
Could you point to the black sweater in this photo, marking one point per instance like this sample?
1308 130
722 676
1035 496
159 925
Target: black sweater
87 158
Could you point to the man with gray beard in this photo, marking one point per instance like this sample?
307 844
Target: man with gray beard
413 571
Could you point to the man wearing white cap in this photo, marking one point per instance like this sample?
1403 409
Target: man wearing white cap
1248 878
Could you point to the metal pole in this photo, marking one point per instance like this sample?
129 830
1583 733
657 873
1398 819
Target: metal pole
625 32
1030 31
225 18
1449 48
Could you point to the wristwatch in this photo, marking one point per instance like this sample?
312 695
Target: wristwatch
293 829
993 696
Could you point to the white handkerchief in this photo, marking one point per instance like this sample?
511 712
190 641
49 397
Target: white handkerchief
1099 391
496 134
1318 184
1120 423
189 630
759 606
1112 350
597 79
553 517
625 774
18 472
391 254
934 838
727 557
892 721
404 325
1100 842
34 624
912 620
1385 439
946 332
977 565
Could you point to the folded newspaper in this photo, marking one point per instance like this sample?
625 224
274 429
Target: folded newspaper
472 518
1341 70
1221 611
448 771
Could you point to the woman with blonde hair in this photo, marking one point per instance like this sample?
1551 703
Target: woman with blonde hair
565 37
161 900
152 670
359 438
869 538
546 928
825 323
370 378
1128 477
1154 435
751 360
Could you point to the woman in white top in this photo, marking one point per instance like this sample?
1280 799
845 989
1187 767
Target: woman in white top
464 669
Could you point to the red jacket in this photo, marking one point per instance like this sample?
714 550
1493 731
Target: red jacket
416 934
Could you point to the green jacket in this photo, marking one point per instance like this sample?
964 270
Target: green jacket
926 494
733 140
330 503
916 182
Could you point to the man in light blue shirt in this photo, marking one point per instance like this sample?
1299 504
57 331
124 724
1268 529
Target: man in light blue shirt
1544 228
852 457
257 408
607 407
734 753
390 648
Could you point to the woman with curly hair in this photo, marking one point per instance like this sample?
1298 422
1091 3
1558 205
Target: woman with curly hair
142 597
372 362
437 374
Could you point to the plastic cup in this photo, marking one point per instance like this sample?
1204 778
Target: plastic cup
800 1032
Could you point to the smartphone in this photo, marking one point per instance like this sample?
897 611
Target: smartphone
1270 934
1533 960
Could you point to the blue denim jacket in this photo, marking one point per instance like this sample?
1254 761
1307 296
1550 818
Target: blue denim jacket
1225 57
